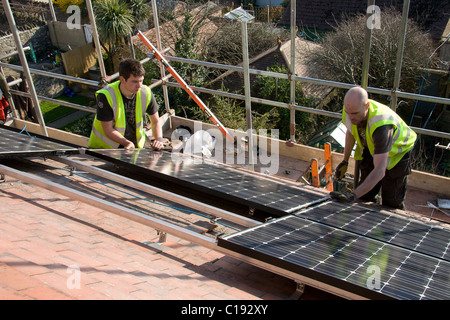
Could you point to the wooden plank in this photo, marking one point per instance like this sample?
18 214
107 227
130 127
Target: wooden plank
52 133
201 227
429 182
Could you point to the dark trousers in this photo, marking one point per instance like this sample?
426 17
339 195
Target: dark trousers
393 185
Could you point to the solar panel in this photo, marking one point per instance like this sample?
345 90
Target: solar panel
14 144
362 265
368 252
382 226
214 179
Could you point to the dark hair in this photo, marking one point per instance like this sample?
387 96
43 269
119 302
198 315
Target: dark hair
129 67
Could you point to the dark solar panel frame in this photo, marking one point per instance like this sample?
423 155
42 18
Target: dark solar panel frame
14 144
341 259
213 179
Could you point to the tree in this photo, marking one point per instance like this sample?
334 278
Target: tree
341 57
342 51
114 22
193 35
186 47
271 88
225 45
184 36
232 114
140 10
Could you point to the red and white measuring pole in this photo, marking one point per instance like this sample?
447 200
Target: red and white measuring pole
185 86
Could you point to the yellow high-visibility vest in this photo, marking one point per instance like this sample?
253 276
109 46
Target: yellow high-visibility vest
98 139
379 115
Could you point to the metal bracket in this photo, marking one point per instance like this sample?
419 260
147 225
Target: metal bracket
251 211
162 236
2 178
72 170
299 290
432 206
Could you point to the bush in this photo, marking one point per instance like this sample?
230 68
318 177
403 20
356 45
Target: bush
342 52
81 126
64 4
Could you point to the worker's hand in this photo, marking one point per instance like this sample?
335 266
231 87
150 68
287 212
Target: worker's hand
157 144
343 196
341 169
129 146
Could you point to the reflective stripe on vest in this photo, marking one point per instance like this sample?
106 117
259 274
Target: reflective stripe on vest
379 115
139 120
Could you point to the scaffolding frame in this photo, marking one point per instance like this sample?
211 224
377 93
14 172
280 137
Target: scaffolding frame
394 93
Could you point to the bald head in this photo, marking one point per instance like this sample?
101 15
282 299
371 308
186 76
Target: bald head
356 104
356 95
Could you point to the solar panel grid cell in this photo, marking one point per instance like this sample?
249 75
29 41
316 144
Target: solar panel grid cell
15 144
404 233
425 277
353 261
205 175
383 227
438 284
403 274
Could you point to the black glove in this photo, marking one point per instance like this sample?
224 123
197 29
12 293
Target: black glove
343 196
341 169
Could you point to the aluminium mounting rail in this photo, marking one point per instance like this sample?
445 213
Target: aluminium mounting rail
170 228
202 207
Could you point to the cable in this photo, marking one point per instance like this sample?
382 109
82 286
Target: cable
25 128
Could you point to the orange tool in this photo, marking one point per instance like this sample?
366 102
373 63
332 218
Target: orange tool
185 86
328 169
315 173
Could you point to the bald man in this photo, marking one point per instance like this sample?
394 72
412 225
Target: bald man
384 144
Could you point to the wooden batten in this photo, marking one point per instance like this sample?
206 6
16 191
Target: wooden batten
53 133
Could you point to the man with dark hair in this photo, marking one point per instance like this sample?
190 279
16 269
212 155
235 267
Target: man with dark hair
384 142
121 110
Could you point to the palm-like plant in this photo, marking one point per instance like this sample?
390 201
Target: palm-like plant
114 22
141 12
139 9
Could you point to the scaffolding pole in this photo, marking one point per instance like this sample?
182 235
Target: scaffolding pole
327 83
248 101
52 10
310 110
159 47
24 62
401 47
98 47
292 68
367 45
